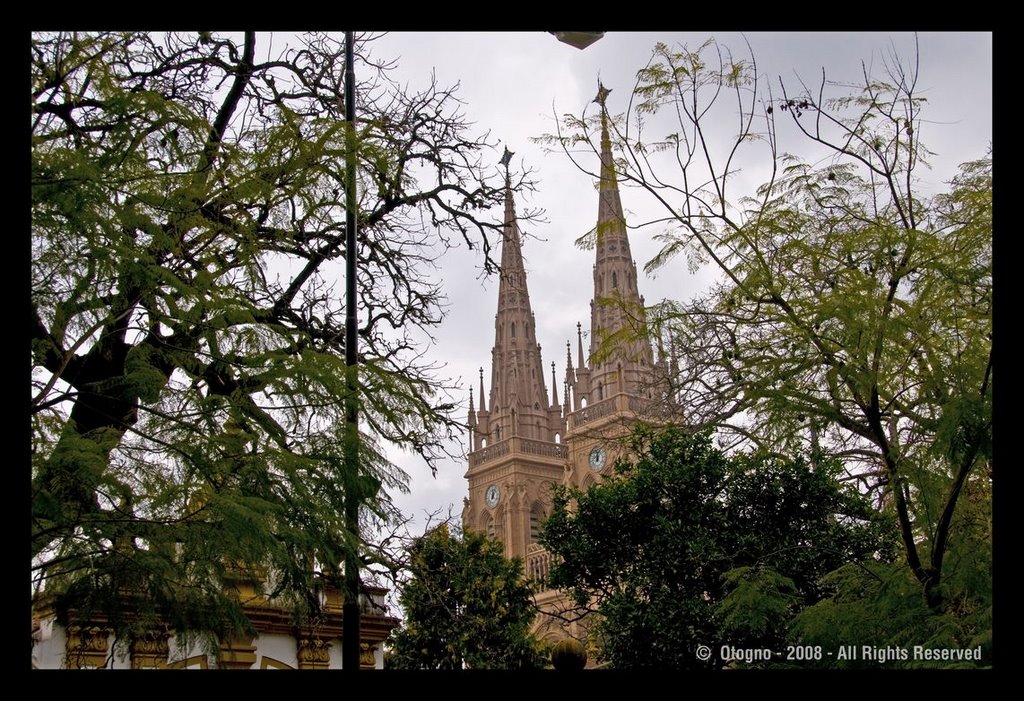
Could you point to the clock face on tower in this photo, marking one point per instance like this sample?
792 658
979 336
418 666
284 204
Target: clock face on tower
492 495
597 457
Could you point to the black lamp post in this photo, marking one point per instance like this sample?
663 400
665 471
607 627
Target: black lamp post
350 606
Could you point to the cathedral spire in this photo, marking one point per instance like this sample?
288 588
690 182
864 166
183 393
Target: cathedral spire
471 424
610 220
513 274
617 306
519 399
554 386
579 345
483 405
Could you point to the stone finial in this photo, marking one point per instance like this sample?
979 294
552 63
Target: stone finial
506 159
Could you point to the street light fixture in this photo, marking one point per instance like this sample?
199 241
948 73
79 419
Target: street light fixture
580 40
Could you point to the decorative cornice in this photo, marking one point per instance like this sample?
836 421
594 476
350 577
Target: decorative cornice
86 646
366 656
314 653
87 638
150 648
237 652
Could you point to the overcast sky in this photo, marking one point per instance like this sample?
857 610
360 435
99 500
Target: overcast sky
512 85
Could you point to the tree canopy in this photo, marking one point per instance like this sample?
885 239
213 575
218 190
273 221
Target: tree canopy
853 309
466 606
686 546
187 323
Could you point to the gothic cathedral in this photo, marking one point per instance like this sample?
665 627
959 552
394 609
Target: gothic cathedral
522 440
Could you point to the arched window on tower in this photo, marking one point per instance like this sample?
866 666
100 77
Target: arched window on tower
536 519
600 391
558 438
513 329
490 527
615 282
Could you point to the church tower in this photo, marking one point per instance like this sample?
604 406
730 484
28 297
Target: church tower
522 442
515 437
610 393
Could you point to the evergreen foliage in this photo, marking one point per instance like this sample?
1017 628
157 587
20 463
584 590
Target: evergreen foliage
466 606
687 546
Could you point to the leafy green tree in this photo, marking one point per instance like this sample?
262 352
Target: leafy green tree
881 606
466 606
687 546
852 314
187 322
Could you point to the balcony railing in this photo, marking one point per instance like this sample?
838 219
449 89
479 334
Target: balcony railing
551 450
490 452
620 403
517 443
640 406
538 564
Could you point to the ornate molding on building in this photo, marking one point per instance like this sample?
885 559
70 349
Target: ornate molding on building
150 648
237 652
86 646
314 653
367 660
89 642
